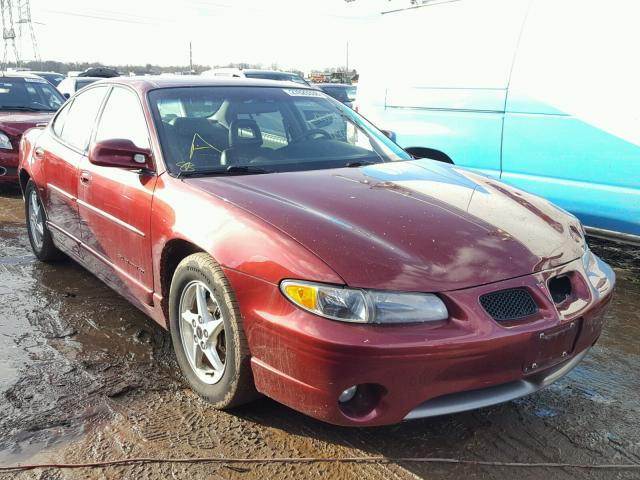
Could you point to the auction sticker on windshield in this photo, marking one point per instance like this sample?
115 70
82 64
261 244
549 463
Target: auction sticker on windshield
297 92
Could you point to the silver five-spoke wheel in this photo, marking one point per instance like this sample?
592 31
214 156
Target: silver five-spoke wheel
202 332
36 219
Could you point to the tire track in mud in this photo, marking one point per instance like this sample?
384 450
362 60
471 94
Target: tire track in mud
183 425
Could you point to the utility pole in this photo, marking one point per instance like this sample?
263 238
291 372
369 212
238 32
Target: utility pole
8 32
24 18
347 66
190 58
23 13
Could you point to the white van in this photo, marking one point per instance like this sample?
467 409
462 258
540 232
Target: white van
543 94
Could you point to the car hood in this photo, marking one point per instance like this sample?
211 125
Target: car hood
15 123
416 225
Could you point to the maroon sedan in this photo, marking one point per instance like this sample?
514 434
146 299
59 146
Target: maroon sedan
26 101
295 251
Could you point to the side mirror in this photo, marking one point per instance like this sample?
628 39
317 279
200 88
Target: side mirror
122 153
389 134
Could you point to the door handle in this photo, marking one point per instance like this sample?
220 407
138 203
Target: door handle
38 153
85 177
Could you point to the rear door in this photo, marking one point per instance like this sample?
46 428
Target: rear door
63 149
115 203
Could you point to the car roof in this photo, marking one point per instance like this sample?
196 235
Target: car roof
334 85
5 74
256 70
147 83
36 72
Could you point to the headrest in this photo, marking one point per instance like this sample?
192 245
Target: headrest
189 125
244 132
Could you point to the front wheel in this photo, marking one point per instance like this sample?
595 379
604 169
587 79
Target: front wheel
39 235
207 334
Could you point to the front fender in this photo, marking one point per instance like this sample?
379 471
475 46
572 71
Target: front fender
236 238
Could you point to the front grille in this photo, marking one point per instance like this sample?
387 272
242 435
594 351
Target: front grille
509 304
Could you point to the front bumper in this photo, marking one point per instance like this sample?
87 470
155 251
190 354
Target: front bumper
414 371
9 166
484 397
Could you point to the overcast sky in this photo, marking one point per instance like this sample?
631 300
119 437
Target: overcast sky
292 33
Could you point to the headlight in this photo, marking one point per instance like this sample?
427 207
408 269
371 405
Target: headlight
5 142
364 306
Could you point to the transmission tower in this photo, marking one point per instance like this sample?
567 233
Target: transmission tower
25 27
8 32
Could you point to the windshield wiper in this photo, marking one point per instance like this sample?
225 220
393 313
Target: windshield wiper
246 169
24 109
359 163
231 169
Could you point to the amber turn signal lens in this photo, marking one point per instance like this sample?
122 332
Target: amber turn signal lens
303 295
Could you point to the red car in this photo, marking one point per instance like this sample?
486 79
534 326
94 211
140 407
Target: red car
26 101
293 250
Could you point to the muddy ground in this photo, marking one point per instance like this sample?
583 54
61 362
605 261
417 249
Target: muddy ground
84 376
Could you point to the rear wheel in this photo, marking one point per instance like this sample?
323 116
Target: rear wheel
207 334
39 235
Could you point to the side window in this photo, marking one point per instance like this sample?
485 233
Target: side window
123 118
58 123
81 118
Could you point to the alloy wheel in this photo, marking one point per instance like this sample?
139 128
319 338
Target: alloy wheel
36 220
202 332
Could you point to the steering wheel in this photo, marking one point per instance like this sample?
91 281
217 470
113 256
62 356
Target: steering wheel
38 104
315 134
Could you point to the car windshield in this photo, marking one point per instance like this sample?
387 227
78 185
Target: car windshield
51 77
224 130
29 94
341 92
282 76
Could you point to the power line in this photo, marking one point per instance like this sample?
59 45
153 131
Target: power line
101 17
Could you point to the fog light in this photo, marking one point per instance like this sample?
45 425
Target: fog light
348 394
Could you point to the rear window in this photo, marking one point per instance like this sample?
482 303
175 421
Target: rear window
83 83
29 94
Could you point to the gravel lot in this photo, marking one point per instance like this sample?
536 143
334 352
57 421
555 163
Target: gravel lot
86 377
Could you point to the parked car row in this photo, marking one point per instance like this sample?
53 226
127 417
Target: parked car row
26 101
293 250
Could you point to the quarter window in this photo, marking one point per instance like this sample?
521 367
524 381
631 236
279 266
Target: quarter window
58 122
81 118
123 118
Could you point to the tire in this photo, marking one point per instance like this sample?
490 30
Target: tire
39 235
218 335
